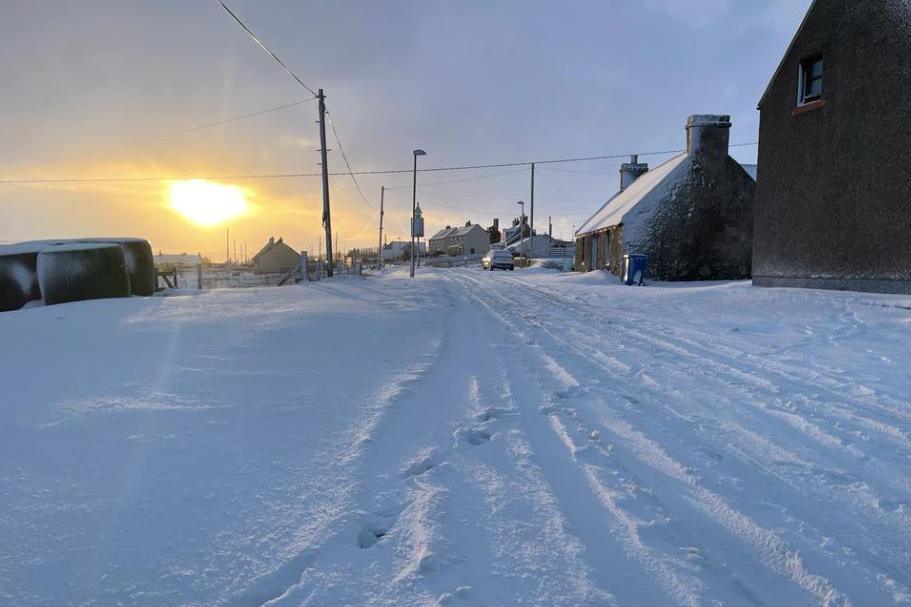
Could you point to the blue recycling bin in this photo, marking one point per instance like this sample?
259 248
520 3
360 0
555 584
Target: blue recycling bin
634 269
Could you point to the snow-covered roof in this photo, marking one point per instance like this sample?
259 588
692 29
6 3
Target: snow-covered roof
538 241
614 210
466 229
447 231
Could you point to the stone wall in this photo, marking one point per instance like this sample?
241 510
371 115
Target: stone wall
833 205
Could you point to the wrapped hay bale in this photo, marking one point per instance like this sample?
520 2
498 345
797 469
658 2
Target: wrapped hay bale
79 271
18 276
140 263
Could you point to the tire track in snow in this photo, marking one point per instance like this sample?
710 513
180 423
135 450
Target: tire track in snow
685 589
682 345
859 497
709 365
774 551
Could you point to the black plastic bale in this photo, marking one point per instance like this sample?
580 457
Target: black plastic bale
80 271
140 262
18 276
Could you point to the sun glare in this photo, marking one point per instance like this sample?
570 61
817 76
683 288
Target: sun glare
206 203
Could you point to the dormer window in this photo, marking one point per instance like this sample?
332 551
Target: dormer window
809 81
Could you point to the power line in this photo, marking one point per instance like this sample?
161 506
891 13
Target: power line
39 180
341 150
167 135
435 183
267 49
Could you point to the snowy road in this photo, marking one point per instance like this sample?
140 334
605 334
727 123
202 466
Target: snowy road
467 438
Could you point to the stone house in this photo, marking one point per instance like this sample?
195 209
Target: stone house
692 215
833 199
276 256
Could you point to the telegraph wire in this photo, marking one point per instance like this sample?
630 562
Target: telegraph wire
435 183
267 49
341 150
39 180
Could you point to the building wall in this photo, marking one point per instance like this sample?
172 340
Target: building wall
279 258
477 239
703 226
833 203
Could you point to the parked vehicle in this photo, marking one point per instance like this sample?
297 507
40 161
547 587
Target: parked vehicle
498 259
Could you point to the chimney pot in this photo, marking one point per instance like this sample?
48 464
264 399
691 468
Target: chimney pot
708 134
631 171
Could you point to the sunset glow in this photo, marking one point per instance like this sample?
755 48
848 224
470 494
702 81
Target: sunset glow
207 204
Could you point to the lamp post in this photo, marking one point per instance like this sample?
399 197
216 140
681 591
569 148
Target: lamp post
522 224
414 202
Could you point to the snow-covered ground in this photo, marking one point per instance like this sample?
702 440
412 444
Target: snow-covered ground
466 438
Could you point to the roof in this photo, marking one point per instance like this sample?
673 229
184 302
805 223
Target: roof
272 244
786 53
466 229
447 231
613 211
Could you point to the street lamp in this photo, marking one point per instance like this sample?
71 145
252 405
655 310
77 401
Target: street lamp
522 225
414 202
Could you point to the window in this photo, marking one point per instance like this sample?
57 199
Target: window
809 85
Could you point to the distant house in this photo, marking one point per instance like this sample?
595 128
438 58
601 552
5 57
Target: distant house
833 199
692 216
399 250
470 239
181 261
541 245
516 232
276 256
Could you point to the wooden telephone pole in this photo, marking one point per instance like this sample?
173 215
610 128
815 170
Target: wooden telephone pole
379 249
531 222
327 219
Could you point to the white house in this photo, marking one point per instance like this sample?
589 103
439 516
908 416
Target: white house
470 239
183 260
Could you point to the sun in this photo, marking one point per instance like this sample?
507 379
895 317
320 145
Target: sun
206 203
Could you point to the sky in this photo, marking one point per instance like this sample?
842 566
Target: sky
470 82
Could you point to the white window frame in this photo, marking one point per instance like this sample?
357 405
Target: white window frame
802 80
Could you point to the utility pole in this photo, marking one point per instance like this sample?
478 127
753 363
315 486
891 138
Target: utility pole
379 249
531 224
235 250
327 219
227 248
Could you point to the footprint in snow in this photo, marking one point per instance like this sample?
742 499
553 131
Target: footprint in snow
420 466
473 436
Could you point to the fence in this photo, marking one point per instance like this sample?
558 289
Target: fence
452 262
239 277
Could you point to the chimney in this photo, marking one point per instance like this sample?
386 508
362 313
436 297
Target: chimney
496 224
631 171
272 240
708 134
